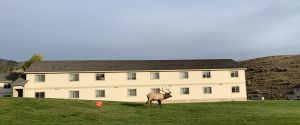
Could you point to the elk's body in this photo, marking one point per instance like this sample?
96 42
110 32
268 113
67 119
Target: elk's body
158 97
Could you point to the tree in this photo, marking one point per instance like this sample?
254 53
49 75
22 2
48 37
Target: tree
35 58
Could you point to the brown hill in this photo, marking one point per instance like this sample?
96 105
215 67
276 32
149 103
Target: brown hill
272 77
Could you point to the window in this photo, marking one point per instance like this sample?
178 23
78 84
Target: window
154 75
7 86
74 77
39 78
234 74
235 89
74 94
206 74
131 92
100 93
184 75
184 91
40 95
100 76
131 76
207 90
155 90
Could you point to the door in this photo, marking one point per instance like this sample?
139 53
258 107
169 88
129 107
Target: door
20 92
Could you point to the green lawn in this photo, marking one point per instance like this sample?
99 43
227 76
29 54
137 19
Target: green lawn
75 112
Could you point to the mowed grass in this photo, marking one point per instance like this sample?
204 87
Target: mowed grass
25 111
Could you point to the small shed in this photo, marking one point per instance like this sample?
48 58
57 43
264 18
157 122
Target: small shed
294 94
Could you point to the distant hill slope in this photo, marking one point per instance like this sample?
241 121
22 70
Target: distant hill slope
273 77
7 65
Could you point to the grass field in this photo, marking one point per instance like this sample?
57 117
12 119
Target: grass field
75 112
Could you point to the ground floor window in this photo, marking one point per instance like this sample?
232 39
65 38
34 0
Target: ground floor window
100 93
39 94
74 94
7 86
131 92
184 91
155 90
207 90
235 89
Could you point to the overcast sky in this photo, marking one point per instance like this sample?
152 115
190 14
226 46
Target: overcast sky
152 29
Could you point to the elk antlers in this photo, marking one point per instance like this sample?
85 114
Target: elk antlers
162 89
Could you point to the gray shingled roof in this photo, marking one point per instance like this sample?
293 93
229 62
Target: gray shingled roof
9 76
125 65
19 82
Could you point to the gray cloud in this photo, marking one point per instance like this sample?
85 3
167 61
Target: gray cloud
134 29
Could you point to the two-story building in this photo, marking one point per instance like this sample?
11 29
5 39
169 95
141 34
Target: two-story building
132 80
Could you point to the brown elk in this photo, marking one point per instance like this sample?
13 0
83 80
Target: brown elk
158 97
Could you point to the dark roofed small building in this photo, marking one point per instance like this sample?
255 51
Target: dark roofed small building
5 83
294 94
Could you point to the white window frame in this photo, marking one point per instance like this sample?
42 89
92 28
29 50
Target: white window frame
155 90
72 77
100 76
39 94
131 76
205 91
73 94
183 91
234 74
206 74
184 75
101 93
154 75
40 78
235 89
130 94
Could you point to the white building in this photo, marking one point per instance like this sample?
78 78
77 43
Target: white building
189 80
5 83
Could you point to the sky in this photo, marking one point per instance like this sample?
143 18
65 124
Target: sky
148 29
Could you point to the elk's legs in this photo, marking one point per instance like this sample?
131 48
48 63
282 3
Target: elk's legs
159 103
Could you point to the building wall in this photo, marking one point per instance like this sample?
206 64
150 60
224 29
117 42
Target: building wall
57 85
5 91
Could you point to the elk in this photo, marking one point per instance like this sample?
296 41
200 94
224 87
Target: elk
158 97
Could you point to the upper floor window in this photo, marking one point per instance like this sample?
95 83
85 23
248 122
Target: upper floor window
235 89
74 77
184 91
100 93
183 75
40 95
234 73
131 92
155 90
100 76
7 86
206 74
207 90
74 94
154 75
39 78
131 76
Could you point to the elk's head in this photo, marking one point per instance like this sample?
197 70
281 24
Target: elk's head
166 94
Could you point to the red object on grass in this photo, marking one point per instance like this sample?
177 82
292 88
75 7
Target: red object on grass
99 103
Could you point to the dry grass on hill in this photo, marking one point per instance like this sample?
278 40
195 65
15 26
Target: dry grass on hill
273 77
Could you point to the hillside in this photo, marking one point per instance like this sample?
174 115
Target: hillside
273 77
7 65
26 111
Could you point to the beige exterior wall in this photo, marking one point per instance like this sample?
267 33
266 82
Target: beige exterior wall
57 85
